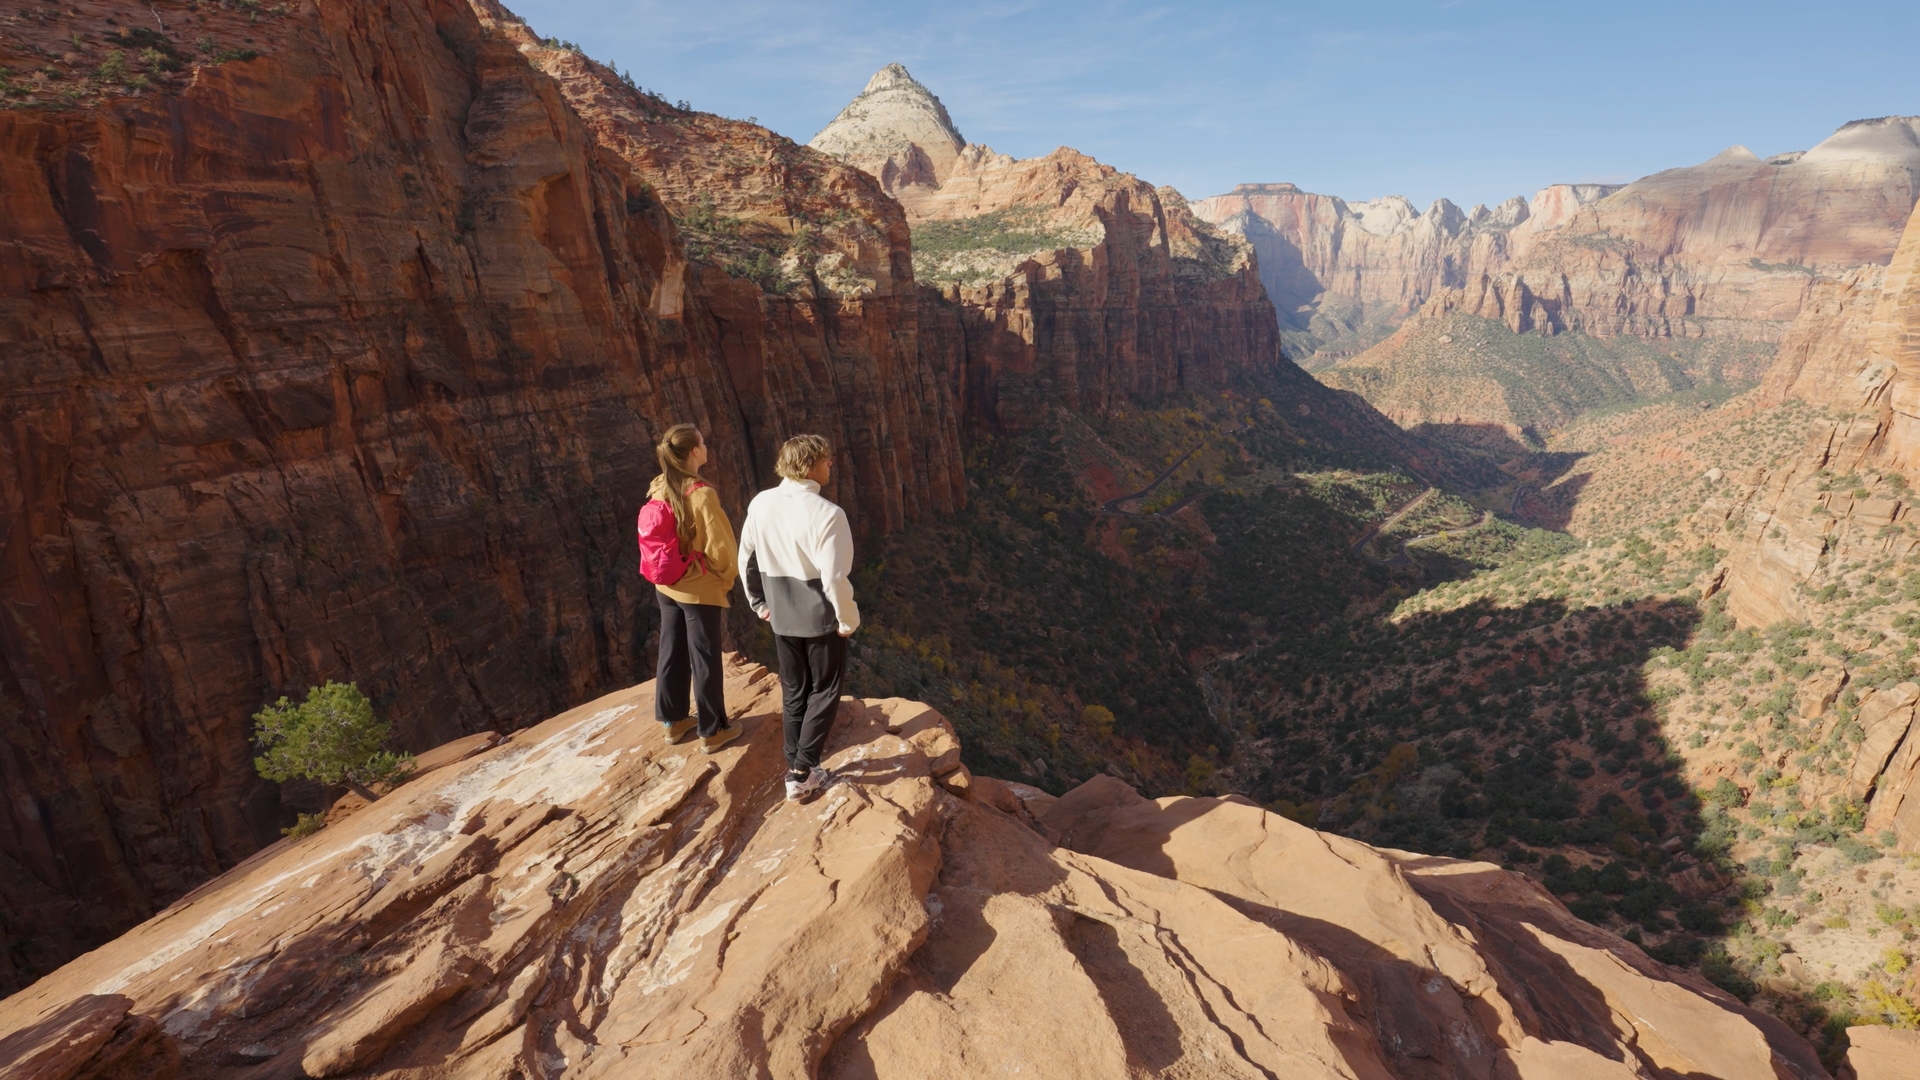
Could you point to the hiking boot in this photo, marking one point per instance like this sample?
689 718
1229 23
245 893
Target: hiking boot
678 730
800 789
711 744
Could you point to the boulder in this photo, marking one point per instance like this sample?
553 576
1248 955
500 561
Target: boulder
1883 1053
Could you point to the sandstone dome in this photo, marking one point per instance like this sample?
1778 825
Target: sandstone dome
896 129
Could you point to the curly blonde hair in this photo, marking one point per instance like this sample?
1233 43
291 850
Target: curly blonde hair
800 454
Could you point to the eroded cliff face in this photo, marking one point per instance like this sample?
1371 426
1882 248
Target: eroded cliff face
1339 272
804 267
1845 499
583 899
1733 246
1055 281
1073 284
345 361
1856 351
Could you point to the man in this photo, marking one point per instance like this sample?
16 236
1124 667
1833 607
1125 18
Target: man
797 551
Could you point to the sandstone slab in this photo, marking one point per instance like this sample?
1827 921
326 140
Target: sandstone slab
584 900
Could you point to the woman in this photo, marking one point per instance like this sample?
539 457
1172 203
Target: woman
691 607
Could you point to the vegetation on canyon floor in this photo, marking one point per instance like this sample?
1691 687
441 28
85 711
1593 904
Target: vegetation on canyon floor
1569 707
1526 386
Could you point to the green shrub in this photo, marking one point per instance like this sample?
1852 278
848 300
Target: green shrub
306 826
1701 919
1720 969
1857 850
332 737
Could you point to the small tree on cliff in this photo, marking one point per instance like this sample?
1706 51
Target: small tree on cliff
332 737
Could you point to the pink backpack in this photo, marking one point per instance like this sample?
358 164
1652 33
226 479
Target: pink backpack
661 560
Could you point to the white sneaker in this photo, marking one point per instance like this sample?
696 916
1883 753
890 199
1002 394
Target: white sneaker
802 790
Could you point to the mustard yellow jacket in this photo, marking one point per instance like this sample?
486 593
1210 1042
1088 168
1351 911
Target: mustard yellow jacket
713 538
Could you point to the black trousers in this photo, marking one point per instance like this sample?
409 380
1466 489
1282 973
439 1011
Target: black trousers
689 653
811 669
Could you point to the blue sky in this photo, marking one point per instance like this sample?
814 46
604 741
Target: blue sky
1475 100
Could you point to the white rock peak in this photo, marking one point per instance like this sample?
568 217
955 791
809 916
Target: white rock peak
896 129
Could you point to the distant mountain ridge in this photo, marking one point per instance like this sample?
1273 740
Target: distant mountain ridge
1344 273
1729 246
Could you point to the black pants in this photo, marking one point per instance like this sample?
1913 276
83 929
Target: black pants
689 638
810 674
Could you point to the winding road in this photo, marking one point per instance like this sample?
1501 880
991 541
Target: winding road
1116 505
1401 558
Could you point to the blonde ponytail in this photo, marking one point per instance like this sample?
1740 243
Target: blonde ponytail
679 441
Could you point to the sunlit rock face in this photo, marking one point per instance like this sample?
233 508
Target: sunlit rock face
1056 280
345 361
1734 246
582 899
1856 351
896 130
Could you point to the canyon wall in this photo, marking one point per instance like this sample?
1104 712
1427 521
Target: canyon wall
1056 280
1336 269
1733 246
1126 296
1856 351
803 268
341 356
1846 500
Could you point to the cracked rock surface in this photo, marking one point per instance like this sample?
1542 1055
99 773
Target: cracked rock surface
582 899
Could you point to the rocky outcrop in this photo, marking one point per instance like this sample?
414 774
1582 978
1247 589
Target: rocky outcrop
1882 1053
1448 958
344 360
1055 281
584 899
895 130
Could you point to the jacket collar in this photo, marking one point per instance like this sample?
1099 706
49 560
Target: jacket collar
788 484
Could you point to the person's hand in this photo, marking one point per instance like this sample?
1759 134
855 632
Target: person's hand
844 632
766 616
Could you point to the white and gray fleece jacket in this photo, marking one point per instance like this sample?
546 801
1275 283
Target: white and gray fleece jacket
796 551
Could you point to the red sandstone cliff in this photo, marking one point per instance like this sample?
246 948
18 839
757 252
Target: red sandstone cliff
804 267
1056 281
1855 350
1137 299
345 360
